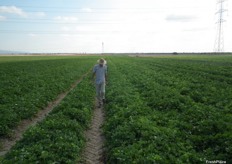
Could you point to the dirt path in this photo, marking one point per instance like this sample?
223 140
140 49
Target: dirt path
94 150
7 143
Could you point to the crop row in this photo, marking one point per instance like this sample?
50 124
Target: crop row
59 138
127 124
162 119
201 89
29 83
135 133
199 111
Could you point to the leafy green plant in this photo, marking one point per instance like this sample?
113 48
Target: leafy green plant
168 110
59 138
28 84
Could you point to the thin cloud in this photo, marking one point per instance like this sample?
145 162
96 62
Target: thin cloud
88 10
180 18
35 15
196 29
40 14
2 18
32 35
65 29
66 35
70 19
12 10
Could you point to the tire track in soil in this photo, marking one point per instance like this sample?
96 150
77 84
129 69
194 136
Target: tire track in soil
7 143
94 150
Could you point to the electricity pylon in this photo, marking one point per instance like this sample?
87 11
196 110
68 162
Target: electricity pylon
219 42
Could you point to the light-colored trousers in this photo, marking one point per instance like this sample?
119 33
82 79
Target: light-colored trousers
100 91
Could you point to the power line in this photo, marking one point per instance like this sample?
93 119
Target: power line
77 21
105 8
34 9
45 19
70 22
69 32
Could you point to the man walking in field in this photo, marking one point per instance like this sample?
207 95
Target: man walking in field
100 71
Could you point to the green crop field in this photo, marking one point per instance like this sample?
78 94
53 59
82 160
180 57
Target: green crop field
29 83
166 109
169 110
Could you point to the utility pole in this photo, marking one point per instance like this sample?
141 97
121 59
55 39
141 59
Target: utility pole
219 41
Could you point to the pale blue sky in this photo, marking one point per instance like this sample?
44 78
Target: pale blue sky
123 25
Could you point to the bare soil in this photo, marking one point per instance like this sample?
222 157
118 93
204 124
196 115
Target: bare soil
7 143
94 150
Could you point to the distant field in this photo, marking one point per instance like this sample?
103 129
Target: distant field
167 109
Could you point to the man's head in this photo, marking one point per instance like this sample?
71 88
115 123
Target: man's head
101 62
